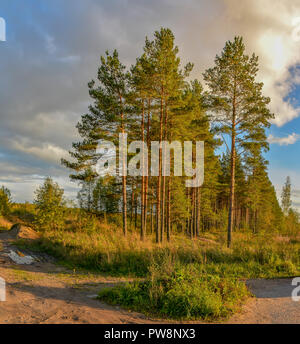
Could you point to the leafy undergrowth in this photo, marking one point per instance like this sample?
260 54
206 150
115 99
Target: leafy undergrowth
184 293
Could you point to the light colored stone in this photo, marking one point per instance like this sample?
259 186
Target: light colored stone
15 257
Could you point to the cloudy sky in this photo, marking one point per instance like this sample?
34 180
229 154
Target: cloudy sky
52 50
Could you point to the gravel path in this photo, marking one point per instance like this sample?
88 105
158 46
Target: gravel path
273 304
43 293
47 294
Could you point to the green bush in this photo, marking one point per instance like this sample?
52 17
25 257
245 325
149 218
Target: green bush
184 293
84 222
50 206
26 212
5 201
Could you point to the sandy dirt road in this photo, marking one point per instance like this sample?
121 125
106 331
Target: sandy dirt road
273 304
54 297
44 293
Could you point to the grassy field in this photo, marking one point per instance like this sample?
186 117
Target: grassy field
107 251
183 279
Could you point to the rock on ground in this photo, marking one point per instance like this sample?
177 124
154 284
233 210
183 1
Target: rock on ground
19 231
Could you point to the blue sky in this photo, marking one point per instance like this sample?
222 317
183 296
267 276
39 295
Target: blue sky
53 49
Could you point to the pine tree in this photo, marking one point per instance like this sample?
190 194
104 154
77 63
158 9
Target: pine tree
238 104
106 196
87 183
286 201
142 90
168 82
108 117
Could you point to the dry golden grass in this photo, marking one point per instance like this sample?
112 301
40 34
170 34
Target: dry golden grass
4 223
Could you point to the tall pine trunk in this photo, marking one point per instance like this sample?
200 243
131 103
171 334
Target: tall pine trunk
124 178
132 206
135 213
232 189
124 205
169 211
159 233
151 217
147 177
143 180
163 200
198 211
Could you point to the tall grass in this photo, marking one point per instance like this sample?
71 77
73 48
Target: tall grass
105 249
183 279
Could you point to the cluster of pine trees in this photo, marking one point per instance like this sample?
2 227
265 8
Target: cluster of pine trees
155 100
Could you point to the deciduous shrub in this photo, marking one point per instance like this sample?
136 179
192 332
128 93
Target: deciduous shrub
50 206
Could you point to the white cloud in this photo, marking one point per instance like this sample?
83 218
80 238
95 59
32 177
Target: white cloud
47 65
69 59
270 31
284 141
50 45
46 152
